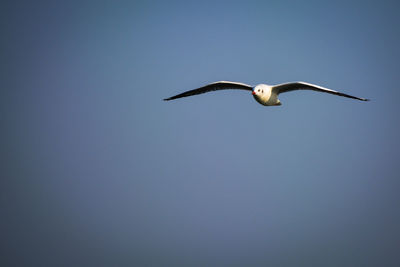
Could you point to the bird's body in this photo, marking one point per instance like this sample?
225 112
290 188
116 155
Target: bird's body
264 94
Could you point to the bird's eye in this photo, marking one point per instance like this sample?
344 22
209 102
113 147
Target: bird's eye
259 90
262 91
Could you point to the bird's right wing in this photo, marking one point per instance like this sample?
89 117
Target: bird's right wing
221 85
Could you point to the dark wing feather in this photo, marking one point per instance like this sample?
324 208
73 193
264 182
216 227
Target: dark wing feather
287 87
222 85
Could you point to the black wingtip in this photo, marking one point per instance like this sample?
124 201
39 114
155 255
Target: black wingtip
366 99
166 99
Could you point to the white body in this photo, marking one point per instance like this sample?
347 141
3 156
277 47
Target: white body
264 95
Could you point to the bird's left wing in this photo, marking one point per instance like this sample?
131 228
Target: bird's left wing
287 87
221 85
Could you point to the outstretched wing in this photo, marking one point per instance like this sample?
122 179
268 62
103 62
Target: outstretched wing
221 85
287 87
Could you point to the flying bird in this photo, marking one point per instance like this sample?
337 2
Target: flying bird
264 94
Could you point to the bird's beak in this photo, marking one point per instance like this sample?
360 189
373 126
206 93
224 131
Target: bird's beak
253 93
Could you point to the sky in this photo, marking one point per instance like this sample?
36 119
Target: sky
97 170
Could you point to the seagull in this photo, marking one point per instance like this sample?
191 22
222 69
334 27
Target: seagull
264 94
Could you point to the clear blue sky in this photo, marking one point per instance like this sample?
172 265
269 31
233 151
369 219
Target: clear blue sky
97 170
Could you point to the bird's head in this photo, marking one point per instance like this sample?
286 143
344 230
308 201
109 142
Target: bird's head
260 90
264 95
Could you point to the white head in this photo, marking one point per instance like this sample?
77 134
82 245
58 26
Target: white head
261 90
263 94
